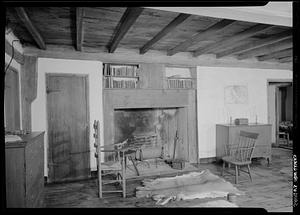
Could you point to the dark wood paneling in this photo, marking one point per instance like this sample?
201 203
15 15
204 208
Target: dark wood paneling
67 108
11 100
155 98
151 76
192 127
15 181
28 89
29 78
25 171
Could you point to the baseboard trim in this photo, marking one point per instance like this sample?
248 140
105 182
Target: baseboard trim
207 160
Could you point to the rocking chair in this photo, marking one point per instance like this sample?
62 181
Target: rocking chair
240 154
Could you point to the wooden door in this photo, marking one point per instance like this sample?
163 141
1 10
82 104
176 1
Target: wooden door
68 137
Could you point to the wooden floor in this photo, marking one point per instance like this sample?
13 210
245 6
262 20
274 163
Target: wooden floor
271 188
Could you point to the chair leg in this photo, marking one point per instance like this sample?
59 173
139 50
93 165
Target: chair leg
100 184
239 167
236 174
123 178
229 165
223 168
248 166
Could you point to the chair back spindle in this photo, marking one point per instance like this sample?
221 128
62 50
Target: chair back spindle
246 145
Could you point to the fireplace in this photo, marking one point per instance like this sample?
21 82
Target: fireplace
161 122
135 112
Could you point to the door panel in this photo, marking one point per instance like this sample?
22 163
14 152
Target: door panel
67 127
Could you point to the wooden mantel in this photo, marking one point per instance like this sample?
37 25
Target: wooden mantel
153 98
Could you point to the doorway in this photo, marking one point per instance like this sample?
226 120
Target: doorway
280 110
68 127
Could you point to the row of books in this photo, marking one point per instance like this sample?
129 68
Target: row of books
180 83
111 82
120 70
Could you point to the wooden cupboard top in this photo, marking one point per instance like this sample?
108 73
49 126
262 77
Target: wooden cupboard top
249 124
27 138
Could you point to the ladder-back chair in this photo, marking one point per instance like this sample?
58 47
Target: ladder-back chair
115 167
240 153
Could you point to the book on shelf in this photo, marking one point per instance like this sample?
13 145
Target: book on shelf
115 82
180 83
120 76
120 70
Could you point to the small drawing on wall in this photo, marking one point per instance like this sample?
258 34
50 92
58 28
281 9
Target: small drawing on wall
236 94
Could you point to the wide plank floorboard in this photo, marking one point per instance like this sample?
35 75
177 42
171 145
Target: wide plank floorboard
271 188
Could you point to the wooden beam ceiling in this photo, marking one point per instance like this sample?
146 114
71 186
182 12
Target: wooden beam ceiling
170 27
200 36
30 27
279 54
231 40
284 44
285 59
128 19
256 44
79 28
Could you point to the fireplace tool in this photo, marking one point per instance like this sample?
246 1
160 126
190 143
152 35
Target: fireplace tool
176 163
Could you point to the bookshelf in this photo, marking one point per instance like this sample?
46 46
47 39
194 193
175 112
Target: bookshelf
120 75
179 78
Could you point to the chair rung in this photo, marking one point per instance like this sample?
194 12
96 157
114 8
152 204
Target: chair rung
112 191
110 172
109 181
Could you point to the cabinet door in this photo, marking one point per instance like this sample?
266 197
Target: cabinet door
15 179
34 170
222 138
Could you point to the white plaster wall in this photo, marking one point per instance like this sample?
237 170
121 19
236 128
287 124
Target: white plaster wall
38 109
212 109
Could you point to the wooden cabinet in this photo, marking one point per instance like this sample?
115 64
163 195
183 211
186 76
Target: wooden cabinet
226 134
24 167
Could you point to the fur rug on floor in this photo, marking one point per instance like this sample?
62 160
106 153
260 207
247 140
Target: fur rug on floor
195 185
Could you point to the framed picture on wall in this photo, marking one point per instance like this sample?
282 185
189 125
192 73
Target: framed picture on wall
236 94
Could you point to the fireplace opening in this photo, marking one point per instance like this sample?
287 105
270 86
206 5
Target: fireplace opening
161 122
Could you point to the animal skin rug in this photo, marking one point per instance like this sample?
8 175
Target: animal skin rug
189 186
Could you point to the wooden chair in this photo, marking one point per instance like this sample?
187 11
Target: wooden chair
115 167
240 153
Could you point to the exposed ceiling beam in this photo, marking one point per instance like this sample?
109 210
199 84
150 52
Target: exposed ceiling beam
279 54
200 36
30 27
284 44
128 19
79 28
256 44
285 59
170 27
231 40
